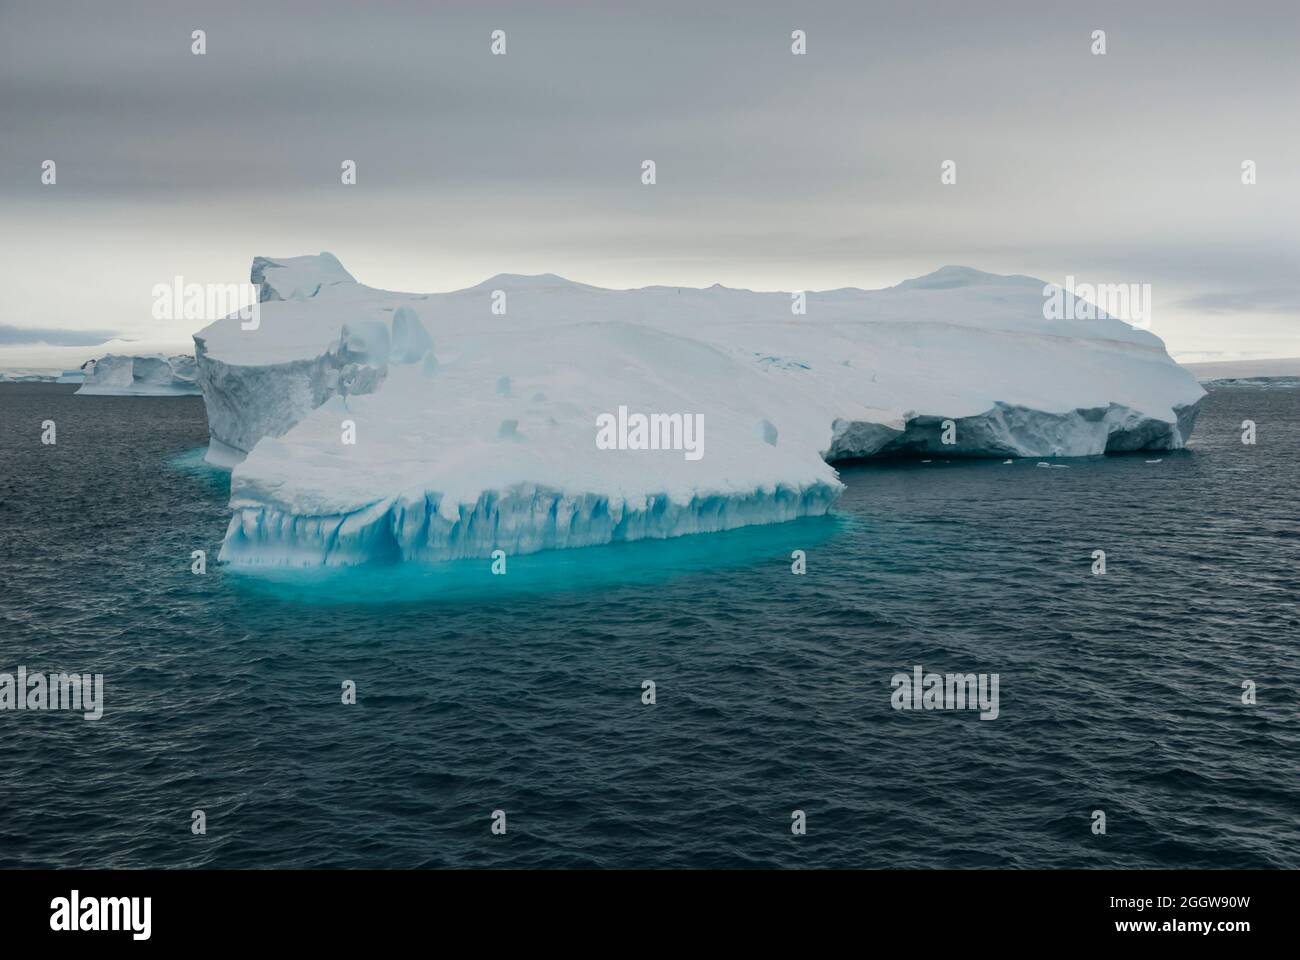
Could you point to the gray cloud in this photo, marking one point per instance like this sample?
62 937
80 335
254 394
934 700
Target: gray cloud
773 170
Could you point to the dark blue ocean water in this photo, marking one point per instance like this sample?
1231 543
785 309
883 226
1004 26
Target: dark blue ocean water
523 693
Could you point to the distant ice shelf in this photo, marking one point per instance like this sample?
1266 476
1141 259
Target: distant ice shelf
366 425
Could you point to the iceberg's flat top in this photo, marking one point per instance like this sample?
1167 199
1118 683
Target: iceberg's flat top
958 296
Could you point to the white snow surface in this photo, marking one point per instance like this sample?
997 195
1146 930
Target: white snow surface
114 375
476 430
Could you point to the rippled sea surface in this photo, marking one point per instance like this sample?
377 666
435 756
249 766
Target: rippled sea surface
522 693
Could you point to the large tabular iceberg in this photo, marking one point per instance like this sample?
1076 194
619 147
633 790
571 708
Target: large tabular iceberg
369 425
124 376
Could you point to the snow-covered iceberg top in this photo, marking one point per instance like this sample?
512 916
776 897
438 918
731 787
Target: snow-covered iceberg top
128 376
381 425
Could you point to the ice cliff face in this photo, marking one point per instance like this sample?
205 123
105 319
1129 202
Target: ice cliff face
310 346
378 425
150 376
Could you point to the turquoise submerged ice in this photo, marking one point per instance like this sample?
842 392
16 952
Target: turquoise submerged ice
533 413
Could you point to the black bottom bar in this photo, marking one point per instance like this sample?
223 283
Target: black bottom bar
946 909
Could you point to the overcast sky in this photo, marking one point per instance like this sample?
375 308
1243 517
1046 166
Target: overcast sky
774 171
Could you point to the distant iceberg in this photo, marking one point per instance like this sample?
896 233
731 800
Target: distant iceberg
369 425
147 376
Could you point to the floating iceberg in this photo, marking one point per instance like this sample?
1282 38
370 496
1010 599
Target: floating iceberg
369 425
149 376
27 376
